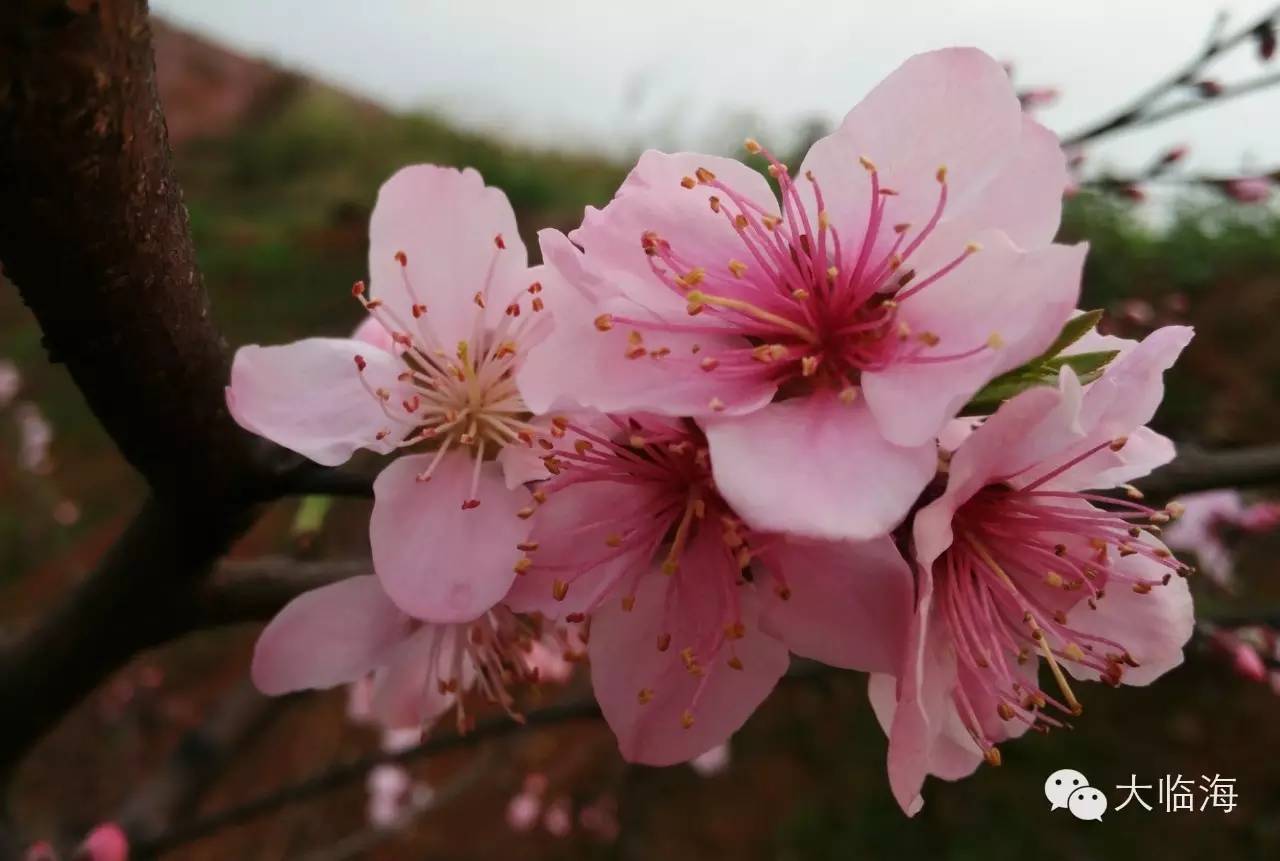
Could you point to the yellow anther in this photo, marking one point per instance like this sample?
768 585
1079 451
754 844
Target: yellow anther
738 268
688 182
604 322
848 394
752 145
704 175
769 353
994 341
559 589
692 278
645 696
867 163
942 173
523 565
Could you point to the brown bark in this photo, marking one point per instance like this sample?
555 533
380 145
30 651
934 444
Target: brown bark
94 235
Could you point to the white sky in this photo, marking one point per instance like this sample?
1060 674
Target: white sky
619 76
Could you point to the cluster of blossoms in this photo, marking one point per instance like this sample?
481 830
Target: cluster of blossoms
719 426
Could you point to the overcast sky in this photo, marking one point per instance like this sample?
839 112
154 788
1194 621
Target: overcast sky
618 76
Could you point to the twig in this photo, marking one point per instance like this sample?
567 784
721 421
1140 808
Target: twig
257 589
139 596
202 754
1195 469
358 844
1228 92
577 710
1141 111
351 479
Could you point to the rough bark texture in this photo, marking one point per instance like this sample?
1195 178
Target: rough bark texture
94 235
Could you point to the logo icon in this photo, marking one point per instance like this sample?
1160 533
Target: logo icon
1070 789
1061 784
1087 803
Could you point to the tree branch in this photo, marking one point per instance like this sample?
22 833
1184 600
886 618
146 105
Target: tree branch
1195 469
142 594
255 590
173 791
356 769
1141 111
94 235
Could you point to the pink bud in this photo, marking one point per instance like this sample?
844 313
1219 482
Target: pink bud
1037 98
1252 189
40 851
1138 311
1133 192
1209 88
559 818
106 842
1245 660
1248 663
523 810
1260 517
712 762
1265 37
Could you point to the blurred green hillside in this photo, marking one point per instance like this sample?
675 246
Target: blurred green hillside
279 203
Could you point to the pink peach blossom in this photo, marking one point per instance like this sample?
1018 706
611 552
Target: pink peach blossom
692 612
1202 529
826 338
350 630
453 310
1210 522
1017 563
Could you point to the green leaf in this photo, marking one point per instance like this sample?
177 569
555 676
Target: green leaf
1075 329
1085 365
1039 372
310 516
